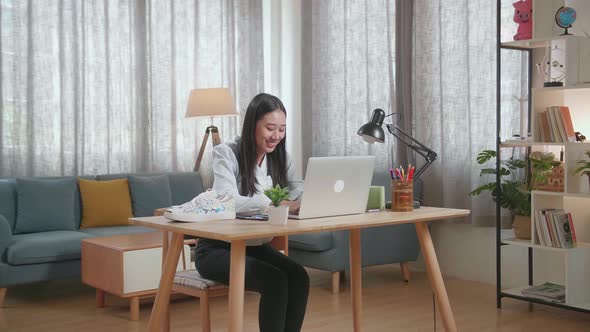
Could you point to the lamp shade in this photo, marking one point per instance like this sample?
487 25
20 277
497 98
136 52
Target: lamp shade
372 131
211 102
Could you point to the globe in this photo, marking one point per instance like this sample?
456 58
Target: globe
565 17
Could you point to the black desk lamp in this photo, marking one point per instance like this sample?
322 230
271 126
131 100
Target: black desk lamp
372 132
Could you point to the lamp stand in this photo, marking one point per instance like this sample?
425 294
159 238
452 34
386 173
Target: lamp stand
216 140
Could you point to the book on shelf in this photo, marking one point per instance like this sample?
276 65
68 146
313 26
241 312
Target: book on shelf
555 125
572 229
547 291
559 123
569 125
555 228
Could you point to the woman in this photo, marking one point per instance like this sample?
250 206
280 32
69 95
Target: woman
244 168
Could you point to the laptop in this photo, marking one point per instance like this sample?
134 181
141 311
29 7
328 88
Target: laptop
336 186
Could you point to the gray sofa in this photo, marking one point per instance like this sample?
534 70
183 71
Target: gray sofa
50 252
330 251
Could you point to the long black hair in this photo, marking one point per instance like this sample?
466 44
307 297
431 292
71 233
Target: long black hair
276 161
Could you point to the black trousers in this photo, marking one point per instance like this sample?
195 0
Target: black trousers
282 283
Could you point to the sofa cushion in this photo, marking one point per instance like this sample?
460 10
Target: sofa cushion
311 242
184 186
149 193
45 205
46 247
116 230
105 203
8 200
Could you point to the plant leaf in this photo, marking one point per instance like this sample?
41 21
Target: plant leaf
477 191
485 155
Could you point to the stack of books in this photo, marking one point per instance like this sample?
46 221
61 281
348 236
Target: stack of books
555 125
548 292
555 228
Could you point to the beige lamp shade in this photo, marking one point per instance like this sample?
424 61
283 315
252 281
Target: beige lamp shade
211 102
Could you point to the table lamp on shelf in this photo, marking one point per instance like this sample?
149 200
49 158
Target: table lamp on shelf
213 102
372 132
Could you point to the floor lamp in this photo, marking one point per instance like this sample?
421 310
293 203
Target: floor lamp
210 103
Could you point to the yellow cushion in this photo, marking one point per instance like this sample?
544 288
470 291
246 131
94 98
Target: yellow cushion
105 203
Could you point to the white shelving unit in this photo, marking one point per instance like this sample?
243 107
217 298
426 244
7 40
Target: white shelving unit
568 267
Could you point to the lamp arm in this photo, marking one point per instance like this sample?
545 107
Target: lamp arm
421 149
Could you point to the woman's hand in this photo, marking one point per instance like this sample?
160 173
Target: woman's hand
293 205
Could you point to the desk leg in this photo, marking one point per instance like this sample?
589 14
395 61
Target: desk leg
237 273
160 308
435 276
355 278
165 246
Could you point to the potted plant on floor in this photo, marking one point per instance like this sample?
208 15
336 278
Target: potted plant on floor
583 167
514 191
277 214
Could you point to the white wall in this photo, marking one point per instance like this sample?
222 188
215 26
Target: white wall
469 253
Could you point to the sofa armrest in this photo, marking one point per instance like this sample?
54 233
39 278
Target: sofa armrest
5 235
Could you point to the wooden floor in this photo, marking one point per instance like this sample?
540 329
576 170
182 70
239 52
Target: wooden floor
389 305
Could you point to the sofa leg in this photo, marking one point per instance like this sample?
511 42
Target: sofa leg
2 296
335 282
405 271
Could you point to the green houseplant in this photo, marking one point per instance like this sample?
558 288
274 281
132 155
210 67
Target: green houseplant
514 190
277 214
583 166
515 185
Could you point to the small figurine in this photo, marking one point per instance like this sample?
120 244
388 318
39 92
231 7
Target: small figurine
523 15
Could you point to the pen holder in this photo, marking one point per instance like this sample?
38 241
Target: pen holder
402 195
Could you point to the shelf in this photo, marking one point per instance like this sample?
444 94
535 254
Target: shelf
536 42
515 144
529 244
557 88
517 293
560 194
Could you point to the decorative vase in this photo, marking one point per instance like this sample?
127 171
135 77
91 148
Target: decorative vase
522 227
278 215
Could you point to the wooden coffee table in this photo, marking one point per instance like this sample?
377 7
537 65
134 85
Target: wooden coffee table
128 266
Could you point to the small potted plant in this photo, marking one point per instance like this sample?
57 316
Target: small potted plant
277 214
583 167
543 164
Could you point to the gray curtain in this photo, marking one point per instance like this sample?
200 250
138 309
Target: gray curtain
404 47
454 91
92 87
348 70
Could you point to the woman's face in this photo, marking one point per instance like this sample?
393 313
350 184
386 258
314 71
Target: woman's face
270 130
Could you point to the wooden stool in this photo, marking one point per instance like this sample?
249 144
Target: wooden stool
190 282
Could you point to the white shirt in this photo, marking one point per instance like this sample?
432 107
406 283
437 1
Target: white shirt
226 180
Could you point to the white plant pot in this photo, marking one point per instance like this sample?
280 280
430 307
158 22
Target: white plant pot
278 215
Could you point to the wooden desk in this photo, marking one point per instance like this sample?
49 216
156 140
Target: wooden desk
238 231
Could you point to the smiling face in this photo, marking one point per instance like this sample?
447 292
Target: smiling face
270 130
